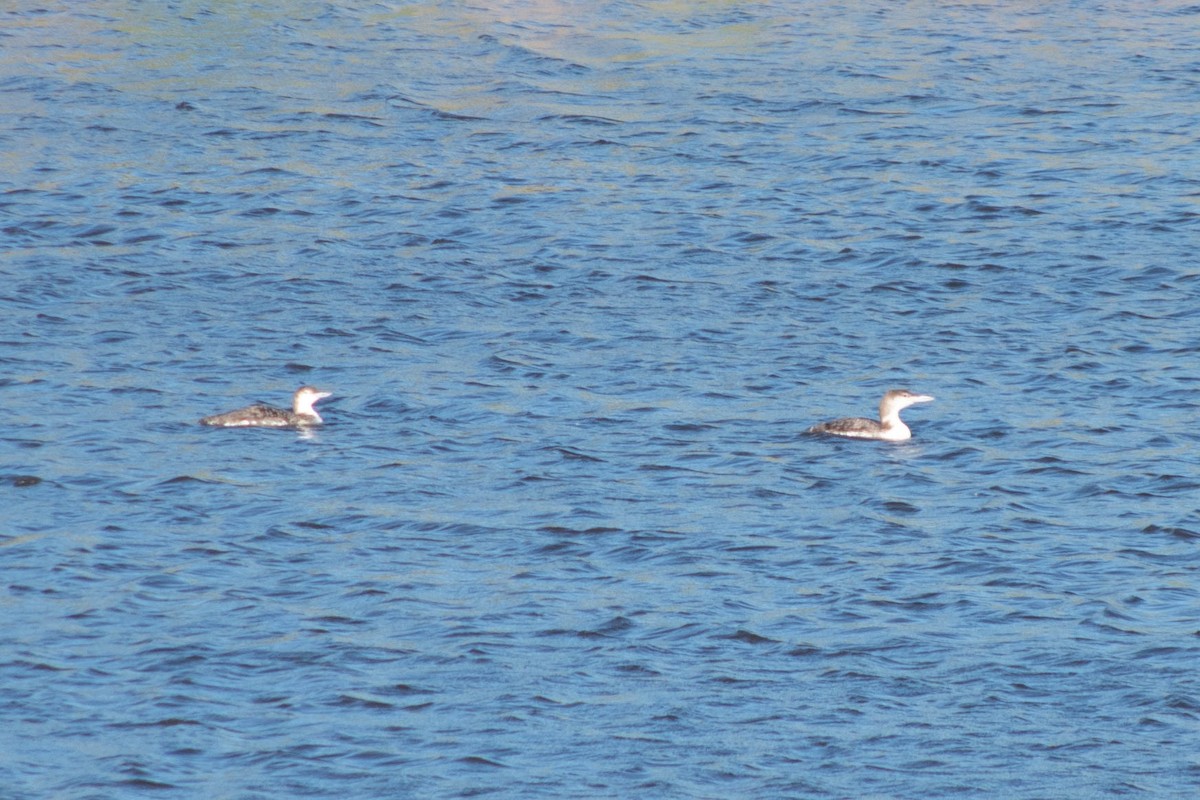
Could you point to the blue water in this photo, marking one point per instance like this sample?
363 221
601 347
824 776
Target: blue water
579 277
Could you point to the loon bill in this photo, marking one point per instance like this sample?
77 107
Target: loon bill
302 415
889 427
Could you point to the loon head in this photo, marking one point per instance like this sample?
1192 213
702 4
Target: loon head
898 399
305 398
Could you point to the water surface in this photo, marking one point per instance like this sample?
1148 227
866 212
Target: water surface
579 277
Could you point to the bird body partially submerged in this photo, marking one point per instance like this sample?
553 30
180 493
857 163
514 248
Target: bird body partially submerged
889 427
302 415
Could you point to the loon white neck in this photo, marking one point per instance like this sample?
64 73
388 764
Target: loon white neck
304 400
894 429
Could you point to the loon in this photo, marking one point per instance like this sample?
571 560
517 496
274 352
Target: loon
889 427
302 414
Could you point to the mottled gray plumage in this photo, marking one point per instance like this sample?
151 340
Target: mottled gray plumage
889 426
302 415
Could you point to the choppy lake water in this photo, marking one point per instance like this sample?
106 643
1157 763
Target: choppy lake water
580 276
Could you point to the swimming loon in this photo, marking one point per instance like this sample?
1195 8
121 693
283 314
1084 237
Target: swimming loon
889 427
302 414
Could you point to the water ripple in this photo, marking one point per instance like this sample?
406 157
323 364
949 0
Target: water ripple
579 282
